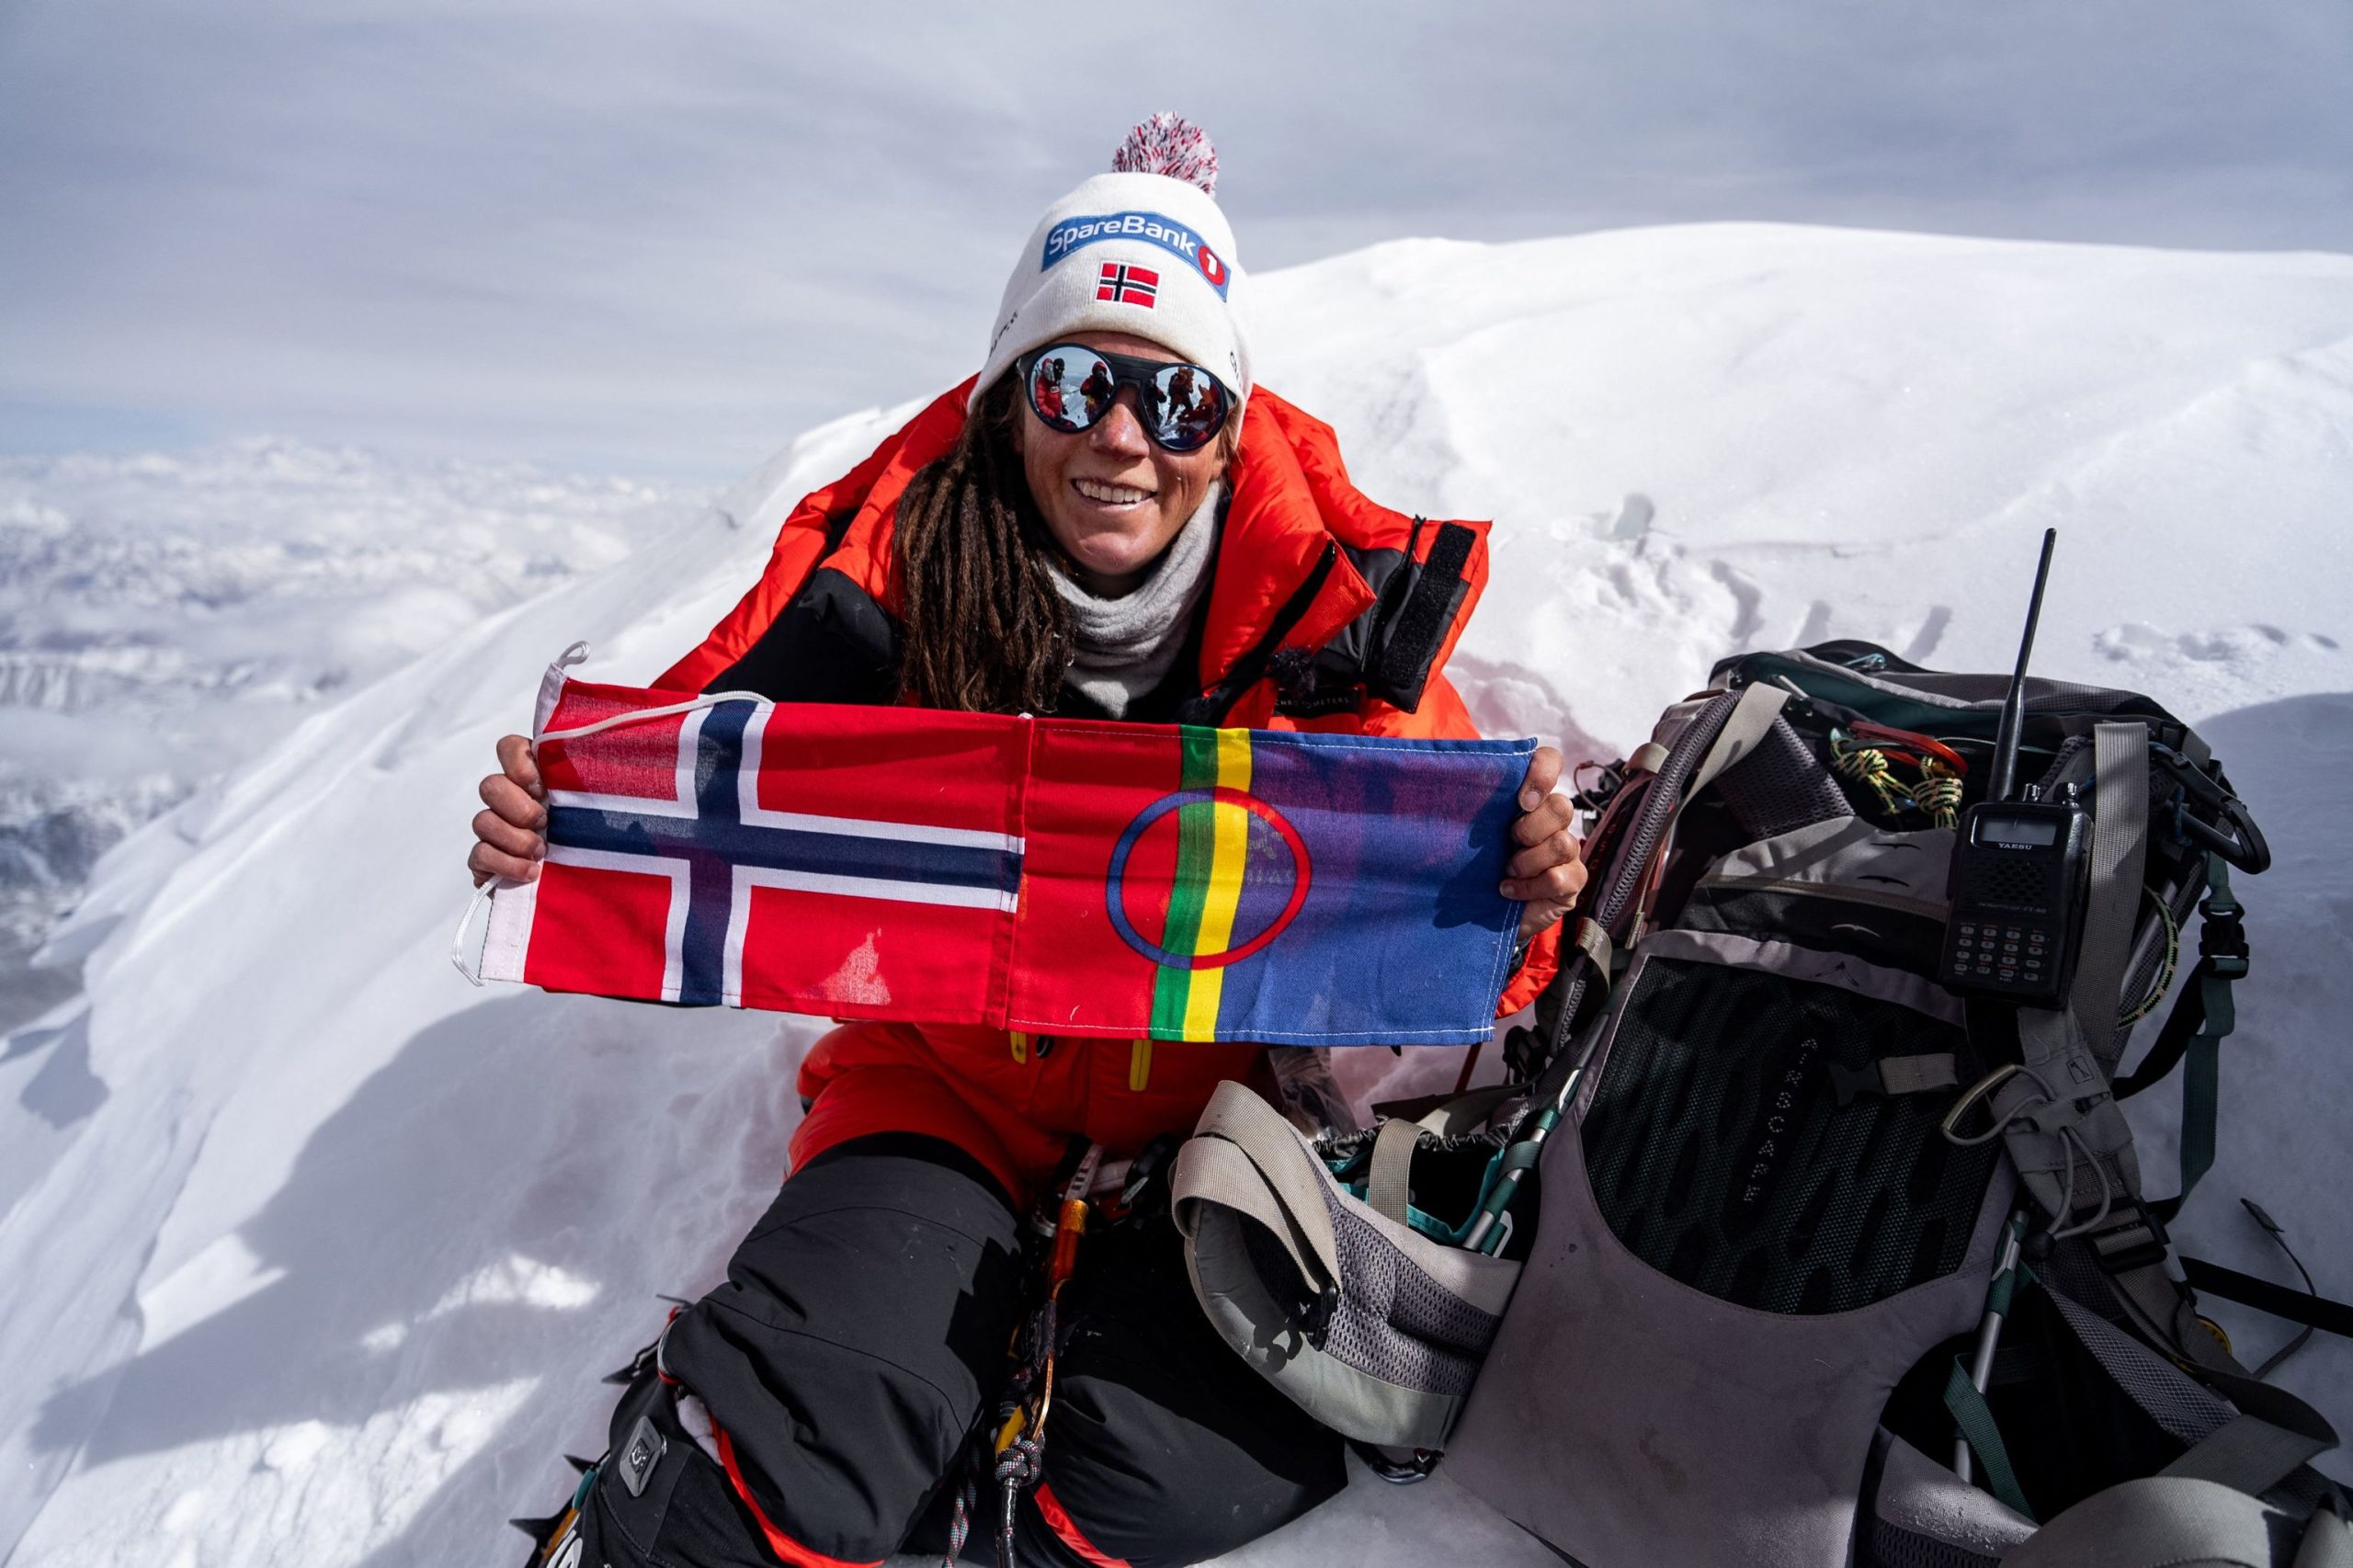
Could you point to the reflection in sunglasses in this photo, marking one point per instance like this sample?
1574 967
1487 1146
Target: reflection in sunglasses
1181 406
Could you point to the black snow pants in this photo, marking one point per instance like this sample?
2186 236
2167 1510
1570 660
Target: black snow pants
860 1340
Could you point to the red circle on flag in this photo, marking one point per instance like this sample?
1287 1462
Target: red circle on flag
1115 878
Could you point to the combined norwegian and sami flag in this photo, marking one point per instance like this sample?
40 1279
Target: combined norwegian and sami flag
1052 876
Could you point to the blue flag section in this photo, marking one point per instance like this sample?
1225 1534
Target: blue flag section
1291 889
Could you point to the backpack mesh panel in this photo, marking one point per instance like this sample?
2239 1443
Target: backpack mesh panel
1396 1324
2184 1408
1781 787
1719 1154
1892 1546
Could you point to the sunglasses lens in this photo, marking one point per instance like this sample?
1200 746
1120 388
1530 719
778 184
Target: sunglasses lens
1188 406
1181 406
1070 387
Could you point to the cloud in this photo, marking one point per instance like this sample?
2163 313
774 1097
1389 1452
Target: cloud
665 239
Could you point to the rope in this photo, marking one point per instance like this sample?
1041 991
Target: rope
960 1524
1017 1468
1869 765
1868 753
1938 792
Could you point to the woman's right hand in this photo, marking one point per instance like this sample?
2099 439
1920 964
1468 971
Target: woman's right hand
512 831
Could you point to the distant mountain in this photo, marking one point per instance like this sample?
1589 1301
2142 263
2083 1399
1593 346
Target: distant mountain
164 617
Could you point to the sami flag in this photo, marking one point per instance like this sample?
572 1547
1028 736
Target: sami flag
1041 875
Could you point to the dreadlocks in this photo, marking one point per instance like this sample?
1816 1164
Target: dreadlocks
982 627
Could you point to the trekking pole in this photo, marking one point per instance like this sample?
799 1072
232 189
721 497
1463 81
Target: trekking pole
1520 1157
1989 1327
1518 1160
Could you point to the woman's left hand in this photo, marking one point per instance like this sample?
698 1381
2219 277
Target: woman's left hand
1549 869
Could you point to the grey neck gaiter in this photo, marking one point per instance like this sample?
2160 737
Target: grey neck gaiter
1125 647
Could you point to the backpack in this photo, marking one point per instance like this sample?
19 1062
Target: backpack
1789 1179
1810 1217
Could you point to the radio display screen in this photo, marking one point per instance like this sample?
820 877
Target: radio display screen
2016 830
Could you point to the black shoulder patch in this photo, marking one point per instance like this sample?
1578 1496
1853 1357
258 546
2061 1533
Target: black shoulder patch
831 644
1389 650
1401 666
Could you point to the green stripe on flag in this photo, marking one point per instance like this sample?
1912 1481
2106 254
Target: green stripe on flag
1196 854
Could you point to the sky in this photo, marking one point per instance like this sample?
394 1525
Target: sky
661 241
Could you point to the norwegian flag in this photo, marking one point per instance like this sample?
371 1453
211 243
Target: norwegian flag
797 888
1124 283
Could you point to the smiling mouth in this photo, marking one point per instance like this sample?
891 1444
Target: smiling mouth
1111 495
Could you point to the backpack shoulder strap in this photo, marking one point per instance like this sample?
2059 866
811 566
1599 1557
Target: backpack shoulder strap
2120 856
2160 1522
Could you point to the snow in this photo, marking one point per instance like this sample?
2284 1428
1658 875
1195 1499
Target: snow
310 1253
163 616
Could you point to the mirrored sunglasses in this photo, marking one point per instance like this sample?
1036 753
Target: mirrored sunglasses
1182 407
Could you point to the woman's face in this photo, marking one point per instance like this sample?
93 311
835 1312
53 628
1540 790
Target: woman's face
1112 499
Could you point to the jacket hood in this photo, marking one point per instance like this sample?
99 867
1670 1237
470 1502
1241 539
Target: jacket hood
1294 517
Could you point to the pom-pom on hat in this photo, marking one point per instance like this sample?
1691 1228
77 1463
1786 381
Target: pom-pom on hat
1169 145
1142 250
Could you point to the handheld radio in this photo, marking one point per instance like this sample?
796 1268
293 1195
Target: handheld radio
2019 868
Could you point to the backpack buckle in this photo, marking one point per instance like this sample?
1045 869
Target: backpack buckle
2221 936
2132 1239
1315 1323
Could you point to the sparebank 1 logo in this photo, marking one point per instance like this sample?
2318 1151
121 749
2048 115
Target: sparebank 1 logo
1151 228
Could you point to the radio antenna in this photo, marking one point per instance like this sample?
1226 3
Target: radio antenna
2006 739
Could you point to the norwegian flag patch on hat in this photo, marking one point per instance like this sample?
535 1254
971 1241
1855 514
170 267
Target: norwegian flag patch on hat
1124 284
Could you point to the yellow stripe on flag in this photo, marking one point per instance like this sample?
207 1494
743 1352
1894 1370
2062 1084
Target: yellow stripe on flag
1139 1064
1223 898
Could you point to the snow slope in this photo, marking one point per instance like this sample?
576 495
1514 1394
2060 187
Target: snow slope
310 1253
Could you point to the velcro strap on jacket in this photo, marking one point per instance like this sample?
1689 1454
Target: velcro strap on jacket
1400 667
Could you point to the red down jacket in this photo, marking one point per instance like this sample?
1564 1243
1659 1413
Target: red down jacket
1326 612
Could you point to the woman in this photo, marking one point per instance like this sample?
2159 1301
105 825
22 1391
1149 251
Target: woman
1091 525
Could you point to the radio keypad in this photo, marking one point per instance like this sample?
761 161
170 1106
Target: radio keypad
2011 955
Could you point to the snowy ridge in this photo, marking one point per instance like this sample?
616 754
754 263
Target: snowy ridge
310 1253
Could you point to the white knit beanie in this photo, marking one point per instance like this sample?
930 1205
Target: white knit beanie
1142 250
